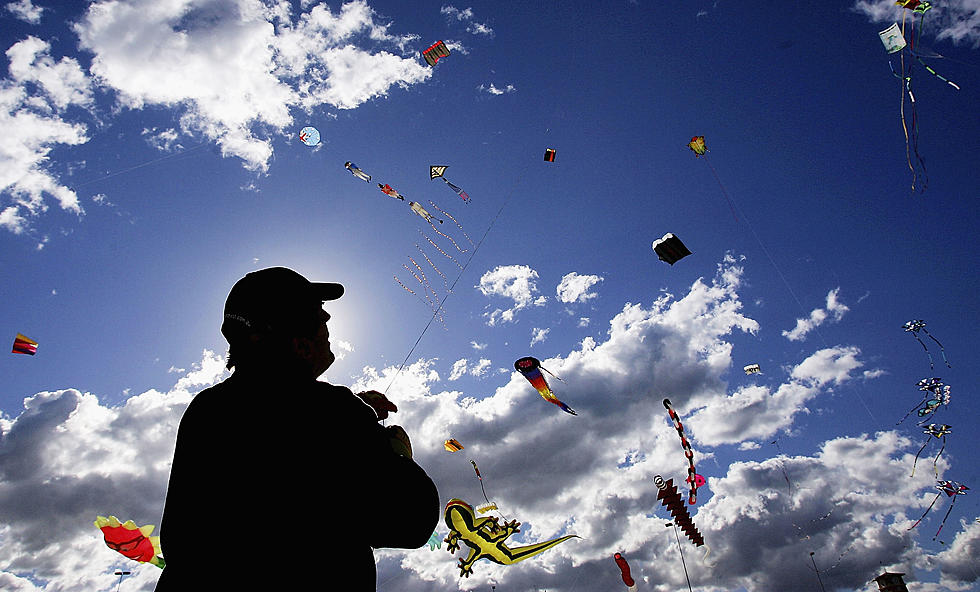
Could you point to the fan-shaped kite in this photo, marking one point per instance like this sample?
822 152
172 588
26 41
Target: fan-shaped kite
453 445
130 540
434 52
624 567
697 146
549 154
310 136
670 249
693 478
437 171
934 430
531 369
951 489
354 170
24 345
487 538
916 325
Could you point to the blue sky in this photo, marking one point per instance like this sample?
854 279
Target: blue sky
150 158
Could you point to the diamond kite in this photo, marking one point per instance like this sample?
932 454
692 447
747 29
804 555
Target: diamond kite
531 369
24 345
697 146
437 171
670 249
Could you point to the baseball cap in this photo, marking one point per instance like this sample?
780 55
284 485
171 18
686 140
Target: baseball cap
273 298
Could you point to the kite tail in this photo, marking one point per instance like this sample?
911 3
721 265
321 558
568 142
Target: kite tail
936 460
927 511
445 280
943 523
937 75
931 365
912 409
450 216
941 349
438 248
449 238
917 457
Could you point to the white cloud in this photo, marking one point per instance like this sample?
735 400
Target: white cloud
539 335
26 11
515 282
834 311
493 90
955 20
462 367
584 321
466 15
575 287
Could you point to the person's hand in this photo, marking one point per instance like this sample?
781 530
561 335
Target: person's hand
379 403
399 441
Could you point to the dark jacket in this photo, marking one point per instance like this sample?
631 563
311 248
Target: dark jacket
280 484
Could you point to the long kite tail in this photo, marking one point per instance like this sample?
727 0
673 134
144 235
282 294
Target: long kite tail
931 365
926 512
943 523
941 349
936 460
917 457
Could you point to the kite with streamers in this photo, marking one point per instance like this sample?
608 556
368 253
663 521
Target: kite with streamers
693 478
437 172
531 369
487 538
624 568
933 430
24 345
309 135
914 5
671 499
916 325
130 540
951 489
357 172
937 394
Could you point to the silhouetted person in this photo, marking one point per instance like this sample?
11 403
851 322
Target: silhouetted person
279 481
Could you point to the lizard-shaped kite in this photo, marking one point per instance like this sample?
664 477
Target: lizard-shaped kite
486 538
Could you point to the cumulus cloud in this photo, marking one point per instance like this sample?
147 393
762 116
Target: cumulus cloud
466 16
574 287
25 11
513 282
834 311
957 20
539 335
463 367
34 105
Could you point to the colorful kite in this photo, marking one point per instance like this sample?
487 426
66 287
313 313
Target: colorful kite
938 431
435 541
453 445
670 249
531 369
697 146
130 540
752 369
624 567
937 394
951 489
549 155
437 171
914 5
693 478
487 538
387 190
350 166
913 327
24 345
434 52
418 209
892 39
671 499
310 136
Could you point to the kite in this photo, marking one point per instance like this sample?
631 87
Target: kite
487 508
387 190
692 477
671 499
24 345
939 432
914 5
130 540
697 146
434 52
624 567
916 325
752 369
951 489
892 39
480 477
531 369
453 445
549 154
350 166
670 249
418 209
434 541
486 538
309 136
937 393
437 171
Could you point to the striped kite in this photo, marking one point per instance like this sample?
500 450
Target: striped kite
24 345
693 478
531 369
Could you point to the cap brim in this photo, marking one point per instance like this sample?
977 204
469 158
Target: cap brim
327 290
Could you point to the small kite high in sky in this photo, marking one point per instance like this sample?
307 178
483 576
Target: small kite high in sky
487 538
693 478
892 38
697 146
387 190
916 325
914 5
350 166
130 540
531 369
937 394
752 369
452 445
951 489
24 345
434 52
549 154
670 249
933 430
437 171
310 136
